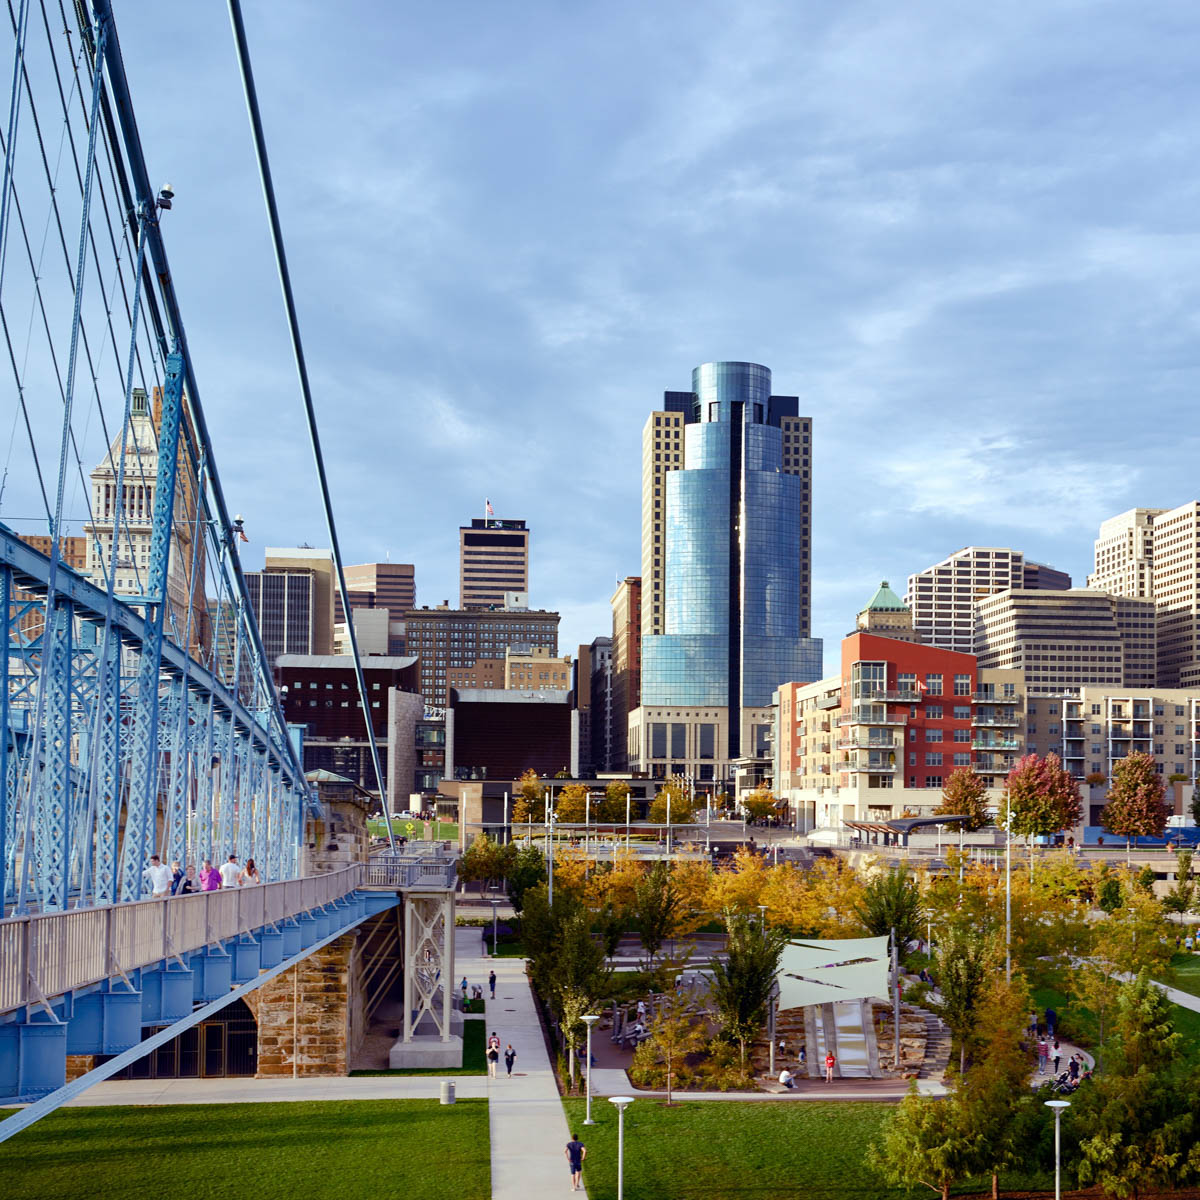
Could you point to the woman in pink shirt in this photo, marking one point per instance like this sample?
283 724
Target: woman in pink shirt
210 877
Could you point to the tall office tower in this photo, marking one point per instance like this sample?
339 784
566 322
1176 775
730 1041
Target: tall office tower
72 551
626 665
1124 554
1176 577
663 451
319 564
390 586
493 558
1041 578
942 597
448 637
136 527
284 606
1068 639
734 580
600 654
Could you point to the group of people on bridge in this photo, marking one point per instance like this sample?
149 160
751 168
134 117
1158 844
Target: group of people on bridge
175 880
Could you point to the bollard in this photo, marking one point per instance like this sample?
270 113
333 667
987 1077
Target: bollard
447 1092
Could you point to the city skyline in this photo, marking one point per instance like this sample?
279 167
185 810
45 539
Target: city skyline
949 256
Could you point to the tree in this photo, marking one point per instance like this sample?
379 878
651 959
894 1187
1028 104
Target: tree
675 793
1040 798
965 793
572 803
741 984
1179 899
892 900
573 1005
613 807
674 1034
759 803
1136 1117
964 962
528 870
529 803
1136 806
486 860
655 906
926 1141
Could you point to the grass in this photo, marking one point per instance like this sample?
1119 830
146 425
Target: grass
474 1057
442 830
713 1150
1187 973
335 1150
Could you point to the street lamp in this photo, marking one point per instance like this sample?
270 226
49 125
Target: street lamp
495 905
1008 895
589 1021
550 857
622 1103
1058 1106
762 920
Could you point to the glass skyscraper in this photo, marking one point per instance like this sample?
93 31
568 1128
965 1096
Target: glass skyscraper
735 551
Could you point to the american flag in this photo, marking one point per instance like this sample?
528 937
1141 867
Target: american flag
491 512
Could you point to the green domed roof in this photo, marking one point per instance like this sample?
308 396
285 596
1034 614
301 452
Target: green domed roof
885 600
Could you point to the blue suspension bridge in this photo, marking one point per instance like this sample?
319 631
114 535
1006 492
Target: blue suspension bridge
138 711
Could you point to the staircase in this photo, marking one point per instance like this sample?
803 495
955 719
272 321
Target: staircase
937 1048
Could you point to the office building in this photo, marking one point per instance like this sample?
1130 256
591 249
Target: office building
443 638
1039 577
1066 639
1124 555
733 589
318 565
886 615
600 733
536 668
283 605
942 597
72 551
626 664
390 587
321 693
503 733
487 674
493 558
1176 575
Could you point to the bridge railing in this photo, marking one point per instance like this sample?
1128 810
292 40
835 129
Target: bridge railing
43 955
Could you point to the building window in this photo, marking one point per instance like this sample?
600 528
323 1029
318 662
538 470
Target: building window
933 758
962 685
933 684
962 760
933 735
933 712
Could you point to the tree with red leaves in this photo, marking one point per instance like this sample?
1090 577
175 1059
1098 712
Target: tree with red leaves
1137 805
1040 798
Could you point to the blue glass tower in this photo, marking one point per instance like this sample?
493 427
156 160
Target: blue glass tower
736 549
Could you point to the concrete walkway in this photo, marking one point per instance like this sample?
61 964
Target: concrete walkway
1183 999
527 1122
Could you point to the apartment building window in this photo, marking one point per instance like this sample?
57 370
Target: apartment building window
1097 749
962 735
933 735
962 685
933 712
962 712
933 758
1095 728
933 781
912 758
1158 748
1160 730
962 760
933 684
1095 768
1095 710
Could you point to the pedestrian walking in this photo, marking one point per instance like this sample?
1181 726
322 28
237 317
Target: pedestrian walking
1051 1022
176 876
510 1057
464 993
1033 1023
210 877
493 1055
830 1063
492 983
158 877
1043 1054
1057 1054
249 875
641 1010
1073 1069
576 1152
230 872
187 885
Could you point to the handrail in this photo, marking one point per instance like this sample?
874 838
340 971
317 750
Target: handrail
43 955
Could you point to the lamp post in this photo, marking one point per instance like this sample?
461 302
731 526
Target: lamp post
589 1021
762 909
1058 1106
495 905
1008 895
550 858
622 1103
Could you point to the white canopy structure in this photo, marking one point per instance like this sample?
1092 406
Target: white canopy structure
819 971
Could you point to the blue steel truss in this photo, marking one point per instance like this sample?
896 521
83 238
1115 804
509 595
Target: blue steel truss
133 720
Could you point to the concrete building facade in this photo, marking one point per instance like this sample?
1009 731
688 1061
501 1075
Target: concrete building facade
1124 555
626 664
1065 639
1176 574
493 558
536 668
943 596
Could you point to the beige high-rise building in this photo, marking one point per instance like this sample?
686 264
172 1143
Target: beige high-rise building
493 559
942 597
1124 554
626 664
1176 577
536 668
319 565
662 451
1067 639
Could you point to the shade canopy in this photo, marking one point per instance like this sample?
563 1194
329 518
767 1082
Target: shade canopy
823 971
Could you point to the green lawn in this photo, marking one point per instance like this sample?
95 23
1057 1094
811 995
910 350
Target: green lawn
442 830
711 1150
339 1150
1187 973
474 1056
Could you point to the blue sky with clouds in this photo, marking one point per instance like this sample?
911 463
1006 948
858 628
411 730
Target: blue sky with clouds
964 235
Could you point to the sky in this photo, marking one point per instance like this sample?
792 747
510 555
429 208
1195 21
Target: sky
965 236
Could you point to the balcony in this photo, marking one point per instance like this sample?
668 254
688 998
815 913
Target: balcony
995 744
855 768
859 719
996 722
988 698
896 697
850 743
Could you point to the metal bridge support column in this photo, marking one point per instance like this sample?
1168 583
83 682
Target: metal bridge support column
52 800
33 1059
428 1038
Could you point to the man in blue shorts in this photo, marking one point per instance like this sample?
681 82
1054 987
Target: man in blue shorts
576 1152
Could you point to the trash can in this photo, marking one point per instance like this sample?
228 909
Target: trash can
447 1092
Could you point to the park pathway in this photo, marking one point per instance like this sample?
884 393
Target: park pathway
527 1122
